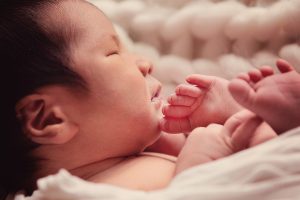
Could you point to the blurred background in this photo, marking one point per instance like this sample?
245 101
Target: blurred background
212 37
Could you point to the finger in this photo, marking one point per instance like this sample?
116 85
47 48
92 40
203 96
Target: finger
266 71
244 76
201 81
242 92
176 100
176 111
198 130
195 133
284 66
243 134
255 75
171 125
262 134
237 119
188 90
215 126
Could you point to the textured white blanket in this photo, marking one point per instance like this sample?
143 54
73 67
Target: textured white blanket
212 37
270 171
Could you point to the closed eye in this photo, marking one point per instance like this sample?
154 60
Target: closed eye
113 53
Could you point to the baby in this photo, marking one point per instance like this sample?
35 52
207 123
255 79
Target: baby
75 98
273 98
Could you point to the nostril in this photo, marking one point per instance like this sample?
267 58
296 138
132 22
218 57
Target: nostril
144 66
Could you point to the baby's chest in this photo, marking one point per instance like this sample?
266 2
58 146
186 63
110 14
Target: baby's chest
142 173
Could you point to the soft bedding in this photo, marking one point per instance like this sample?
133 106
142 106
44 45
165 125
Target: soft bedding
270 171
212 37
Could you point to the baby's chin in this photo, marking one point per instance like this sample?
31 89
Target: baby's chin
154 141
157 132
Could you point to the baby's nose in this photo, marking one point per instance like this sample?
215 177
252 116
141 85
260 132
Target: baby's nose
145 66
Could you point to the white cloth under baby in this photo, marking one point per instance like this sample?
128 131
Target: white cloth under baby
270 171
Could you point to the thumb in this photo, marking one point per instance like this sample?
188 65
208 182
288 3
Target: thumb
242 135
237 119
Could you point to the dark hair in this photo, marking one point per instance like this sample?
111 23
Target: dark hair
32 55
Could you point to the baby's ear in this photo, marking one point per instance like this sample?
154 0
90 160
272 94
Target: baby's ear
44 121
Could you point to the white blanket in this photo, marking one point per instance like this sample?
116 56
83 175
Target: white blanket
270 171
212 37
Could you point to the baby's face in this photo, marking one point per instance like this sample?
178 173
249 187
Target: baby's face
122 108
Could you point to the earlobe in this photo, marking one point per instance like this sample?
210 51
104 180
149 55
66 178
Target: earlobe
44 121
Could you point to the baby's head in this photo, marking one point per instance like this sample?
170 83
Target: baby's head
74 94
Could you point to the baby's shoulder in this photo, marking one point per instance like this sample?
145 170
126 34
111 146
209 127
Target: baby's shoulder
147 171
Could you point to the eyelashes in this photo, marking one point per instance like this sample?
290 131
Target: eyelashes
113 53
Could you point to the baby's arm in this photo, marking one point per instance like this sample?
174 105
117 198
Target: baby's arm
215 141
170 144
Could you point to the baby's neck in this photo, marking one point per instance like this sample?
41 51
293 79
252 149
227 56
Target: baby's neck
88 171
85 171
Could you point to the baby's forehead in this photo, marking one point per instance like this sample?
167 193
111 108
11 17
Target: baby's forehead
75 19
82 13
84 17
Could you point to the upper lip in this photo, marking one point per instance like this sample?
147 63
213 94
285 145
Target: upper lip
156 92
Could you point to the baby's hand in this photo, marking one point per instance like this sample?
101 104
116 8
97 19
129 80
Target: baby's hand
204 144
274 97
203 101
215 141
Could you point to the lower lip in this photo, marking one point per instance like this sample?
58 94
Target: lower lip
157 102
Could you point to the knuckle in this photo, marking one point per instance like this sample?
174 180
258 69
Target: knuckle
214 125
